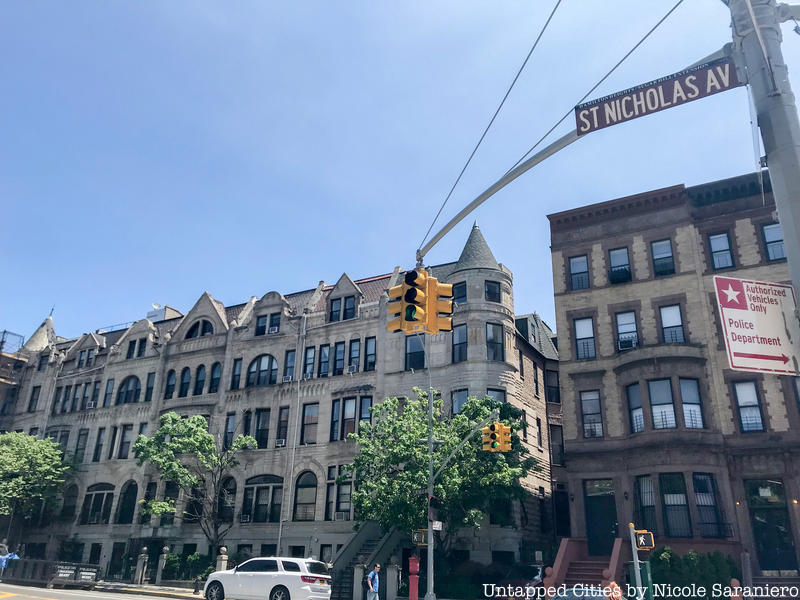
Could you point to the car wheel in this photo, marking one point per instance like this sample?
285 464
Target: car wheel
215 591
279 593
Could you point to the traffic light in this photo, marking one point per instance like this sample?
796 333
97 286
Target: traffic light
505 438
434 504
395 323
439 303
491 437
414 300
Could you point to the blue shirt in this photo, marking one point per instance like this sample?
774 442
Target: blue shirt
373 577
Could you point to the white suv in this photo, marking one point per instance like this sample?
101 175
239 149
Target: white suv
273 578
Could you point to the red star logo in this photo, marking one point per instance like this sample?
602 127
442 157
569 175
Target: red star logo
730 293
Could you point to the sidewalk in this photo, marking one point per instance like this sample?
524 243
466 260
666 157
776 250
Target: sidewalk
148 590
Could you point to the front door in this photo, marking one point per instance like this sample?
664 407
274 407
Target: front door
601 515
772 530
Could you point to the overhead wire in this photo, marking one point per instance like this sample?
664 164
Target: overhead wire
491 121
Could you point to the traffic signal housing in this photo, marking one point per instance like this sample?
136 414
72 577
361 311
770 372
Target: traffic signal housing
440 306
491 437
396 308
415 301
505 438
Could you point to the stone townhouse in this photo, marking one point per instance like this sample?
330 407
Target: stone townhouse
658 430
299 372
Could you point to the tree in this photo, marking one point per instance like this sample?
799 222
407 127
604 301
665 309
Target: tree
31 473
186 454
391 466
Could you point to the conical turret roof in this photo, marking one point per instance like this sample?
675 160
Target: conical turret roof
43 337
476 253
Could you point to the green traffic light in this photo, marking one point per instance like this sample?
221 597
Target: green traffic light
494 444
411 312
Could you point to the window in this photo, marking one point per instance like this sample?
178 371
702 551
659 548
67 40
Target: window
125 441
348 417
85 399
690 398
495 342
364 413
620 270
288 365
645 509
415 353
262 427
336 309
186 379
65 400
263 370
539 432
226 502
247 422
308 363
216 375
112 443
34 431
131 349
721 256
305 498
236 373
96 391
627 336
97 504
521 359
705 495
773 240
584 338
343 496
338 358
661 403
169 386
33 403
324 360
11 398
261 325
283 423
43 362
308 429
263 496
70 503
370 354
141 347
127 503
579 272
199 380
750 418
81 361
676 507
492 291
458 398
230 428
349 308
330 494
170 493
98 444
496 394
75 395
336 419
199 329
129 391
635 407
460 292
459 343
274 323
148 391
556 445
551 389
663 262
90 357
592 417
142 428
355 356
80 447
672 324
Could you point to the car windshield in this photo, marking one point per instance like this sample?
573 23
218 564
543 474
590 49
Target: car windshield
318 568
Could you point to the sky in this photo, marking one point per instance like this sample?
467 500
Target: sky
151 151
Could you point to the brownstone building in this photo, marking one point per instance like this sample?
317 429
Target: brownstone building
658 430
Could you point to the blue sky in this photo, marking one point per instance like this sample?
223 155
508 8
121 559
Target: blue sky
154 150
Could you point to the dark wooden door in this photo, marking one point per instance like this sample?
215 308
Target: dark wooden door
601 515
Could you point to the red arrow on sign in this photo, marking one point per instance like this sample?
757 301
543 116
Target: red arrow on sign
782 358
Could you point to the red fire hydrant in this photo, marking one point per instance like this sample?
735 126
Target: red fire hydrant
413 577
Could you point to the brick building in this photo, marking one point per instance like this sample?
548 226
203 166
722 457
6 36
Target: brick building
658 429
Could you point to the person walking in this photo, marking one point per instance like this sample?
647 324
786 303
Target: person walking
373 580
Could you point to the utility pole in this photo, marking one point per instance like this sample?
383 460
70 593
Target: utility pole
757 42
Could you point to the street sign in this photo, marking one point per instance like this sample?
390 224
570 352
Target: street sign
644 540
437 525
760 326
419 537
653 96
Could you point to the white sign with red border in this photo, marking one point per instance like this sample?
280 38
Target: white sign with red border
760 326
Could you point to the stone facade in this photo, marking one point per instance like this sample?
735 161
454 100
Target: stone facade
275 367
658 429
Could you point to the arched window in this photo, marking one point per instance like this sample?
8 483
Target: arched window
263 496
97 503
169 388
305 497
227 500
127 503
199 380
186 379
216 374
262 371
70 503
129 391
199 329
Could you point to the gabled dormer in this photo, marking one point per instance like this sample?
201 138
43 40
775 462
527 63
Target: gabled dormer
137 341
269 315
343 300
83 353
207 317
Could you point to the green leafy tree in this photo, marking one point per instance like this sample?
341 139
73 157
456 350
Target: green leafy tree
391 466
185 453
32 472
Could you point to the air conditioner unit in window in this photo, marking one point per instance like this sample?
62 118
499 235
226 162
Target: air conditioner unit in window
274 330
91 404
287 378
308 375
352 369
244 518
626 344
342 515
280 443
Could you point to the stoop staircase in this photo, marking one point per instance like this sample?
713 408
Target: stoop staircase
343 585
587 572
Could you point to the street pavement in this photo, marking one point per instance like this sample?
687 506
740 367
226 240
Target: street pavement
18 592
